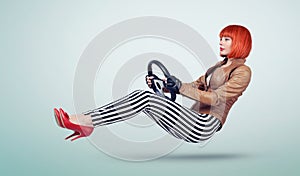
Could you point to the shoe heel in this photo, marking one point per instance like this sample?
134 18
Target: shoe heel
77 137
74 134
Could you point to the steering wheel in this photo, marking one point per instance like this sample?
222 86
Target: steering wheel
158 85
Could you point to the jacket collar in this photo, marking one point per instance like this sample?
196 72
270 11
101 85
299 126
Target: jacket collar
234 64
237 62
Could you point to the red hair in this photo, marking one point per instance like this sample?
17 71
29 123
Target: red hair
241 40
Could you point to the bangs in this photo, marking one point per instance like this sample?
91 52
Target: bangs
227 32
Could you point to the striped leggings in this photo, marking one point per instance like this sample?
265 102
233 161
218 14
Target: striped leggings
177 120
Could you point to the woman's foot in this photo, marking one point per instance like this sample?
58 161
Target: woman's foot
80 124
81 119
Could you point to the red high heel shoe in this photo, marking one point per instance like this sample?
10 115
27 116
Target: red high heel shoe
64 122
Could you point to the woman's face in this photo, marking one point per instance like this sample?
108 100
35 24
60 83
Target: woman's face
225 46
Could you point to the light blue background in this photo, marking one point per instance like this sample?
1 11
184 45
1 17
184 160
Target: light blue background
41 43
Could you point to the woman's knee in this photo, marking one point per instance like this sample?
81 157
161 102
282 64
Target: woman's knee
142 91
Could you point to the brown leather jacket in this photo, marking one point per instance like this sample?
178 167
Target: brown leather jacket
225 86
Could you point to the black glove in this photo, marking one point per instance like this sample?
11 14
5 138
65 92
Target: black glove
173 84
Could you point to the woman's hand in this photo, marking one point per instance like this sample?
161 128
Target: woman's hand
173 84
149 80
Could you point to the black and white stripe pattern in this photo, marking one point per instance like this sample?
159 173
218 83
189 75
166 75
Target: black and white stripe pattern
177 120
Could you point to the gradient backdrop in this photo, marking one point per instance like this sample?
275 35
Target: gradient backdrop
42 41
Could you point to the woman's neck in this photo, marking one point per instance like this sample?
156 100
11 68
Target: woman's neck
229 61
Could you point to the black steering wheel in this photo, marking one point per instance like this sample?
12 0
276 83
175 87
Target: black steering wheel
158 85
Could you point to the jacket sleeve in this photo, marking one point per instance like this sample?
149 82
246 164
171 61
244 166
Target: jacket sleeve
200 82
234 87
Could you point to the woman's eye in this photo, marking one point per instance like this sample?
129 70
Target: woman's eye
224 39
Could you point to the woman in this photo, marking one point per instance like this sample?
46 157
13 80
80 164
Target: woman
215 93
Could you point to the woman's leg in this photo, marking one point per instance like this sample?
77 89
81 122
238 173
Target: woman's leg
179 121
87 118
120 110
